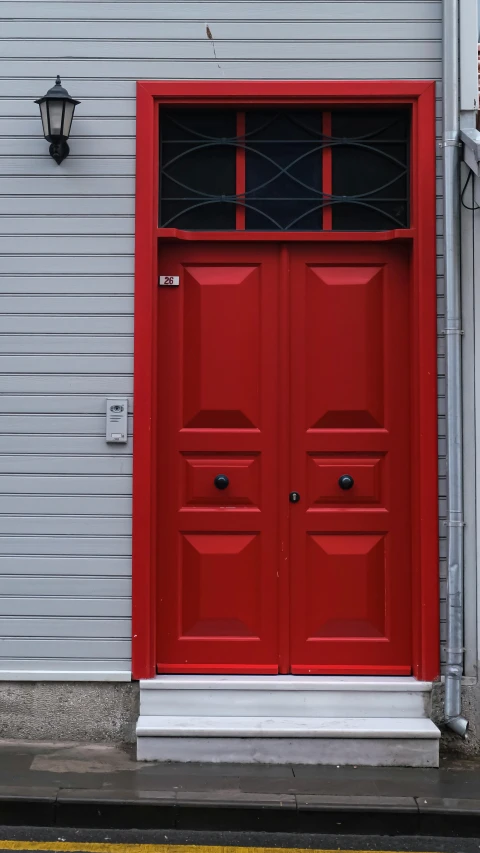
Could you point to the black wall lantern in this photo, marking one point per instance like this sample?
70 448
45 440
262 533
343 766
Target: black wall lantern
56 110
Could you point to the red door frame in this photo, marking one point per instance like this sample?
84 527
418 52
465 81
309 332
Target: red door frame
420 95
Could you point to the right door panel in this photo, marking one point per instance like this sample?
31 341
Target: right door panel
350 459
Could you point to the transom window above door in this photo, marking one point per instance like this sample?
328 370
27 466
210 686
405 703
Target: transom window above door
345 169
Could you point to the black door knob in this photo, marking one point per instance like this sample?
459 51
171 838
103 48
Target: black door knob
221 481
346 482
294 497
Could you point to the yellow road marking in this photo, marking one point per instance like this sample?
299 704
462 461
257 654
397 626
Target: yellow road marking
89 847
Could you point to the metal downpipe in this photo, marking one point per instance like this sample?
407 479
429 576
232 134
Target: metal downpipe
453 333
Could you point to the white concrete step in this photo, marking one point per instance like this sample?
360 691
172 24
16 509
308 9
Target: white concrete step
287 719
284 696
286 727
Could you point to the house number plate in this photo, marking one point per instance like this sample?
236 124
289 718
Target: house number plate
169 280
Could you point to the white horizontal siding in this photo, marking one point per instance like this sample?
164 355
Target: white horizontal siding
61 383
44 324
93 669
257 10
79 225
118 284
46 205
64 504
46 304
64 525
32 604
52 405
65 545
200 50
63 626
63 264
34 146
49 568
32 587
66 363
180 69
14 344
99 345
66 309
21 108
59 464
40 649
181 32
79 184
60 444
65 485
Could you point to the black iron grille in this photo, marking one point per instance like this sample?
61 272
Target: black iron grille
284 170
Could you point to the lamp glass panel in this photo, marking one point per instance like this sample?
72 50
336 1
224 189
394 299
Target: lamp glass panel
55 109
67 122
44 117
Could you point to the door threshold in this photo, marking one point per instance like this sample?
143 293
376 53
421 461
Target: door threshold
389 683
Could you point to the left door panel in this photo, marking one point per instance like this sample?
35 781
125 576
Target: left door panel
217 414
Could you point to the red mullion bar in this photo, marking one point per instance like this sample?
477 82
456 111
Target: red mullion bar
327 170
240 183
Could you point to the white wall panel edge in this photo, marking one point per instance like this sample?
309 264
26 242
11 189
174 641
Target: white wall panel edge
63 675
469 440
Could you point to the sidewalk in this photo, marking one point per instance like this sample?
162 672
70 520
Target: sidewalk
93 785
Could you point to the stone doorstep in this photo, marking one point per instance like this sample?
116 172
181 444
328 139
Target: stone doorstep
282 719
365 752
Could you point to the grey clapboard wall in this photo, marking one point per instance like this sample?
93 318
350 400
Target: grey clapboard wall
66 305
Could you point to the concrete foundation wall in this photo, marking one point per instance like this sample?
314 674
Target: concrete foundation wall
73 711
105 712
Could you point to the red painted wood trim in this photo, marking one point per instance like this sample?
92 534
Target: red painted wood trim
240 172
327 170
287 236
214 669
143 553
421 95
284 484
252 91
351 670
425 454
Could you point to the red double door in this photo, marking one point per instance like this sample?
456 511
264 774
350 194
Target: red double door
283 526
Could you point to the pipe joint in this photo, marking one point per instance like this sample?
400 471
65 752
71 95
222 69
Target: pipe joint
453 670
459 725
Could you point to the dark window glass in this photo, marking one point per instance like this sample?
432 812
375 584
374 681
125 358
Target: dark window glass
370 169
283 170
197 159
288 183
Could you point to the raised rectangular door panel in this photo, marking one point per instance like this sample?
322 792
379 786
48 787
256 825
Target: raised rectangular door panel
242 470
352 569
325 471
221 346
220 585
343 316
350 547
218 396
